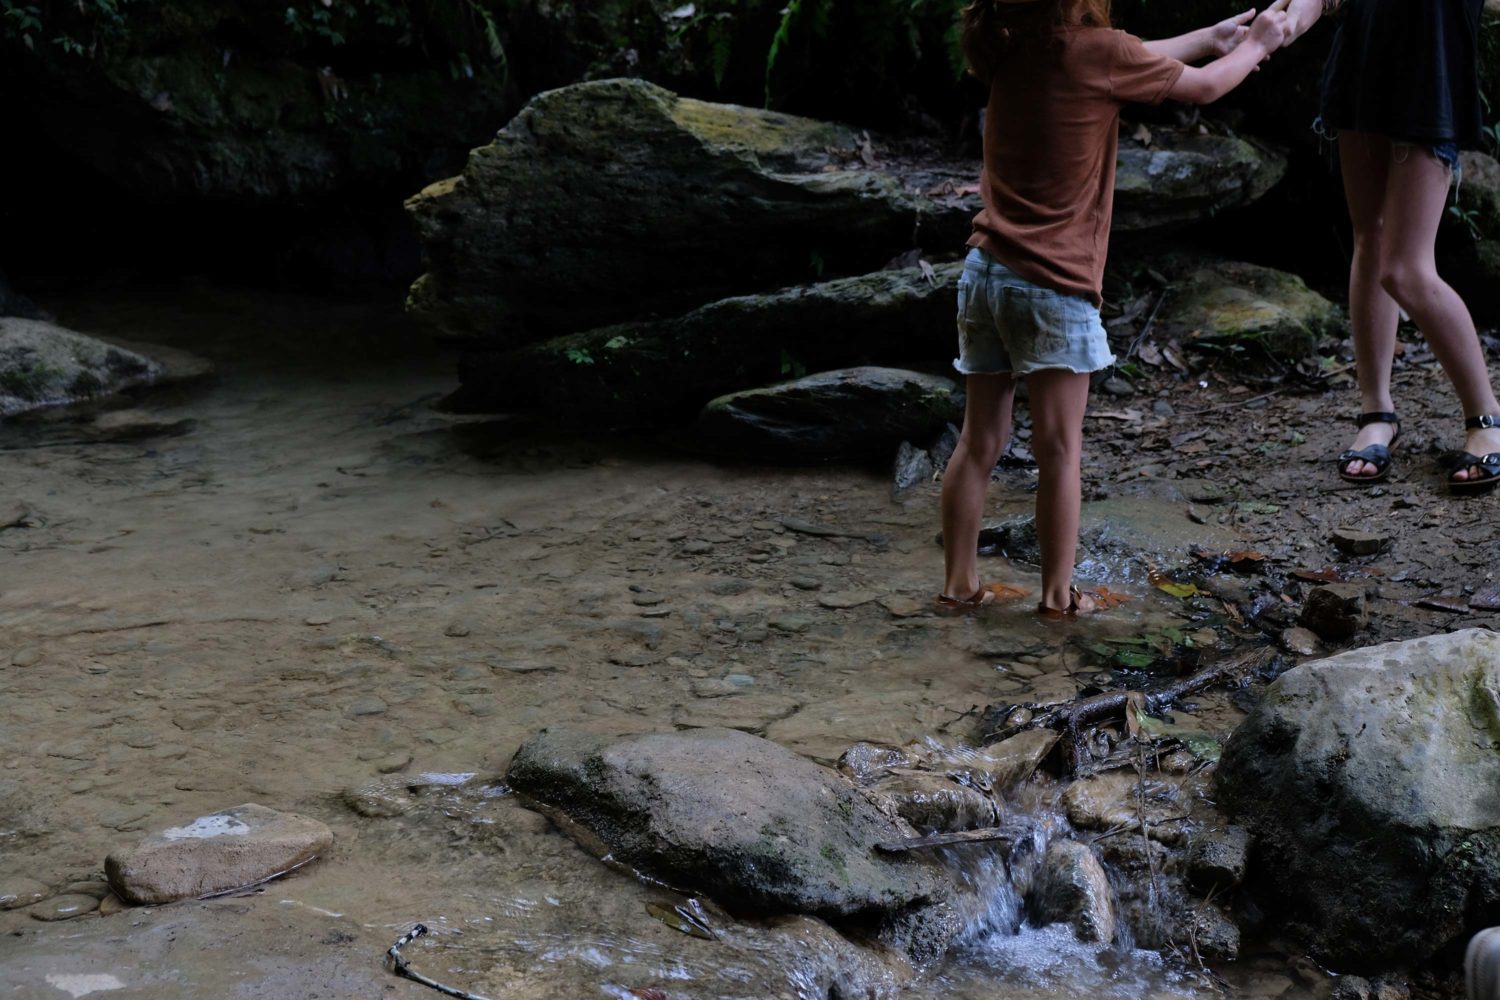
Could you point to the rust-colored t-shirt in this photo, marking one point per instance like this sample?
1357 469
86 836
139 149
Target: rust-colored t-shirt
1052 132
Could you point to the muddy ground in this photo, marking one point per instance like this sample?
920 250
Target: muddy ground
306 579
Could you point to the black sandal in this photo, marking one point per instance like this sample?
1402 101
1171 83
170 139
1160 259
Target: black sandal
1378 455
1488 464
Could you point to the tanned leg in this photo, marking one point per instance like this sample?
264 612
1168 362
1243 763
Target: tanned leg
987 426
1058 399
1416 197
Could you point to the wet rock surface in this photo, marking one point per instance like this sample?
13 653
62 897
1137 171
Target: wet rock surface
1072 888
729 814
1357 776
46 365
225 850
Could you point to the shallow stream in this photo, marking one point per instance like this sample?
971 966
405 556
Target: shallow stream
305 580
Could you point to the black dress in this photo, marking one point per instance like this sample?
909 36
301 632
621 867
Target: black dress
1406 69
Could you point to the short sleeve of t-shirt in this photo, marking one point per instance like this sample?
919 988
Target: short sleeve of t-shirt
1137 75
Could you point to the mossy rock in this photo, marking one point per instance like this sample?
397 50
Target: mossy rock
46 365
662 371
850 412
1252 311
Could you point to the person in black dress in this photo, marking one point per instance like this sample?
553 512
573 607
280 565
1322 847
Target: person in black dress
1402 93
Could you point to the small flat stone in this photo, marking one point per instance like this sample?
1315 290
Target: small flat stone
904 607
1300 641
26 656
698 547
192 719
1358 543
713 687
225 850
729 587
806 582
457 630
98 888
635 659
18 891
111 904
64 907
793 623
318 620
647 599
369 705
846 599
393 762
740 680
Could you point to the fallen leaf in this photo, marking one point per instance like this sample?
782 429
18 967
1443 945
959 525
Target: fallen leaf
1142 135
1174 357
1486 599
1007 591
1106 598
1150 353
1135 707
1318 575
1130 416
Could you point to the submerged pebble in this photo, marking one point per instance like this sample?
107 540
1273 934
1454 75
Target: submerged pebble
18 892
64 907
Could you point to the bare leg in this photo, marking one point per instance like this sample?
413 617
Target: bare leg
987 426
1058 401
1416 195
1365 159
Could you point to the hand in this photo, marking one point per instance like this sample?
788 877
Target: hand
1272 29
1226 36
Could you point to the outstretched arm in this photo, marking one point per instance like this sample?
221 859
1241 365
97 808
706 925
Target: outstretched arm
1214 41
1303 14
1206 84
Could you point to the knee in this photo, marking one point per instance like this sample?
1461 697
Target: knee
1404 281
983 447
1056 450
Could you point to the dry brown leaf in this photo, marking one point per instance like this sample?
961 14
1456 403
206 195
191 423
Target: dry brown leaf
1007 591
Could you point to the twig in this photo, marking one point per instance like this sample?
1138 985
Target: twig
1005 833
1233 404
401 967
1071 716
1135 345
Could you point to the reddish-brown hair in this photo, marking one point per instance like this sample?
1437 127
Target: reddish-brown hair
984 39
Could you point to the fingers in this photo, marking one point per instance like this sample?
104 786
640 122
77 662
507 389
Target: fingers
1246 17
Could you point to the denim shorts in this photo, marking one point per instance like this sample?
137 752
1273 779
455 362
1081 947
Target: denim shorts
1008 326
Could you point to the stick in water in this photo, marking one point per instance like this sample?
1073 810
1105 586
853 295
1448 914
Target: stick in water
401 967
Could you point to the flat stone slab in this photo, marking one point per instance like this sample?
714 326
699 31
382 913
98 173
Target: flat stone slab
215 853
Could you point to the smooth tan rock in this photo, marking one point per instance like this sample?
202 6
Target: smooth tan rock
215 853
1071 888
18 892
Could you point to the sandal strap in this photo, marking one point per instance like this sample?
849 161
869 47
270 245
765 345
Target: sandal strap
1483 422
1375 454
1386 417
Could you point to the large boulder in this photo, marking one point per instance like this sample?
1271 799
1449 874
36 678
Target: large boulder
1182 178
606 201
615 200
659 370
728 814
45 365
1368 781
845 413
